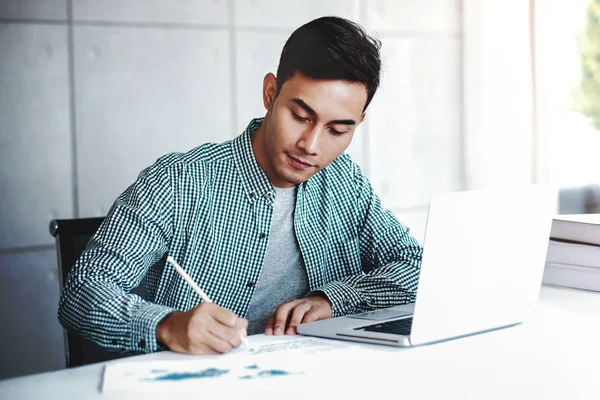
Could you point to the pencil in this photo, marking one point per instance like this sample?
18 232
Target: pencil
197 289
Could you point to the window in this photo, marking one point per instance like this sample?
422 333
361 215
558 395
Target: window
567 94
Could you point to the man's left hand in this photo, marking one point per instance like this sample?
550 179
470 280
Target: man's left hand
289 315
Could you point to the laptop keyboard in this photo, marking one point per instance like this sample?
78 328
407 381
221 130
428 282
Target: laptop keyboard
398 327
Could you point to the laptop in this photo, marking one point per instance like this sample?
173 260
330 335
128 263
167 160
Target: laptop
483 259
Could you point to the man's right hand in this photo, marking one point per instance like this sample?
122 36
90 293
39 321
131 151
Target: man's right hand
205 329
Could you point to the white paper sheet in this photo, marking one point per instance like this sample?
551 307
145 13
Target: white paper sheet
263 345
274 359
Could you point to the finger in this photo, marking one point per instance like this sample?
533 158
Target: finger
297 315
230 335
200 348
222 315
202 342
242 327
269 327
281 316
311 316
241 323
216 344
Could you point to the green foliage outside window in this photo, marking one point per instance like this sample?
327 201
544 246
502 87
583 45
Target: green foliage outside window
587 95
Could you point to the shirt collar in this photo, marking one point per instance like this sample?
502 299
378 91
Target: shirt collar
255 182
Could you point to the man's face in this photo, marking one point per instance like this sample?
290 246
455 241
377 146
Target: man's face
308 125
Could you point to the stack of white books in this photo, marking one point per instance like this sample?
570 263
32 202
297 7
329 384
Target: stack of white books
573 257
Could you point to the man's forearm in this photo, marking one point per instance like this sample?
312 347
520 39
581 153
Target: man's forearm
386 286
112 318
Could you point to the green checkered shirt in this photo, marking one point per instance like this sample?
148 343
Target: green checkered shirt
211 210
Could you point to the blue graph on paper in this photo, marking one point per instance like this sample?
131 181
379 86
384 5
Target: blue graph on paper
249 372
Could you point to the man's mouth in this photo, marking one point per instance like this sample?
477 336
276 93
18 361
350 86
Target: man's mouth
299 163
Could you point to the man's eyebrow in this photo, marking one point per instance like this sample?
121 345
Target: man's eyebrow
343 122
305 106
313 113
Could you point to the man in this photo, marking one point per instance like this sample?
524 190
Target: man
277 226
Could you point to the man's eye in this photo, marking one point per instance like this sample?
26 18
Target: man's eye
299 118
336 132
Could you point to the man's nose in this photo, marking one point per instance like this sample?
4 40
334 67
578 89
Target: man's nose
309 141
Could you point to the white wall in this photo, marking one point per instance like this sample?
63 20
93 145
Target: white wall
91 92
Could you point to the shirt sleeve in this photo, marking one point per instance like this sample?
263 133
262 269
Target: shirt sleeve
390 259
136 234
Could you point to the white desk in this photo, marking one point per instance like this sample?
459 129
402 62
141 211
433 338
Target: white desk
555 355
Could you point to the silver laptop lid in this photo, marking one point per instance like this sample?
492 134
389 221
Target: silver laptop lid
483 260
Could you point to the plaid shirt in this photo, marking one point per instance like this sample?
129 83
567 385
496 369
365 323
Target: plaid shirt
211 210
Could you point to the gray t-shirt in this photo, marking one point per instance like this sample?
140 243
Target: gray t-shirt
283 276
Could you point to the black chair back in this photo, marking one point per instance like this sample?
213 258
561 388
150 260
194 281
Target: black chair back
72 237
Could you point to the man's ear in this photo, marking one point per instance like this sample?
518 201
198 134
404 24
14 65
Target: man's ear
269 90
362 118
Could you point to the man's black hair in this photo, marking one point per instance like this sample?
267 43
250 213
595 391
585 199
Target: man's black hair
332 48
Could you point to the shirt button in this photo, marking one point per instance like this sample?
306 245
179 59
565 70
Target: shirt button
262 236
250 284
251 195
123 349
142 344
346 302
269 194
114 341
